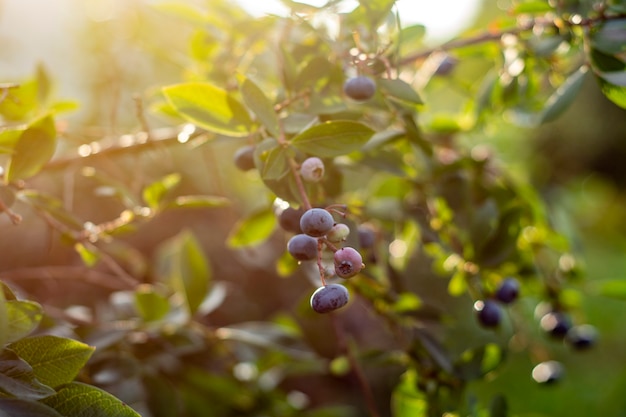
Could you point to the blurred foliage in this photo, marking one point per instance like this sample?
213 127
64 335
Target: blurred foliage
162 282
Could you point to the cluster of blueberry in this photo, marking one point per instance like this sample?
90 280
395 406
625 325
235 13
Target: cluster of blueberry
319 230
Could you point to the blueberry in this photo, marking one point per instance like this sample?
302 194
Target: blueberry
329 298
338 233
360 88
367 236
316 222
548 372
312 169
488 312
289 219
244 158
302 247
581 337
508 291
348 262
556 324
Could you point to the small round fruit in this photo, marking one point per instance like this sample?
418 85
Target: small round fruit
548 372
348 262
289 219
508 291
488 312
338 233
312 169
244 158
316 222
581 337
360 88
556 324
329 298
302 247
367 237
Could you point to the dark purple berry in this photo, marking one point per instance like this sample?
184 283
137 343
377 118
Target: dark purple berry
244 158
367 237
508 291
581 337
360 88
289 219
316 222
302 247
488 312
329 298
556 324
548 372
348 262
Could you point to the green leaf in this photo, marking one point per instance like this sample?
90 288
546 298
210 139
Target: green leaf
532 7
199 201
276 164
186 268
332 139
613 92
260 105
610 37
209 107
407 400
150 304
615 288
55 360
9 137
23 318
20 102
498 407
18 379
89 256
399 90
154 193
560 100
81 400
19 407
457 285
33 150
252 230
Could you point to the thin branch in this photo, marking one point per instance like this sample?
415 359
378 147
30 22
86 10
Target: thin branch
495 35
346 349
65 273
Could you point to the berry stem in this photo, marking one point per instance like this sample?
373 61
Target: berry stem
293 165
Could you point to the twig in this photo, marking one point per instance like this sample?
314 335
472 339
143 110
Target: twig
141 116
497 34
346 350
65 273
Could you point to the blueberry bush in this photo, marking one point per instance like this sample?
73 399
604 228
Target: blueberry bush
319 214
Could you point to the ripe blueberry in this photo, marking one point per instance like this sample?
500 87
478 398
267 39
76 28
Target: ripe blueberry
338 233
312 169
488 312
555 323
367 236
244 158
348 262
316 222
302 247
508 291
360 88
581 337
329 297
289 219
547 372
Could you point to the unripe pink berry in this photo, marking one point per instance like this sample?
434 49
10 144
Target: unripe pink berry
348 262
